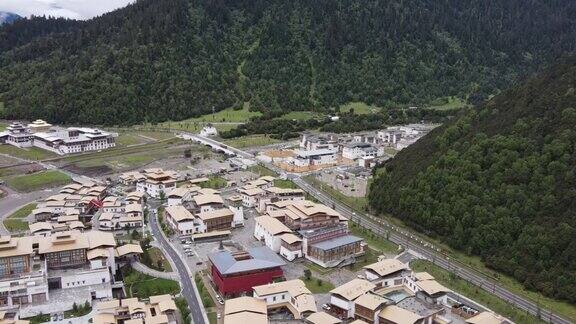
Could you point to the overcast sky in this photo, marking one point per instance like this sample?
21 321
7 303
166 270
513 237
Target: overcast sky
76 9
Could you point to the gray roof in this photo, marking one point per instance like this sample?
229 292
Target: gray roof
262 258
336 242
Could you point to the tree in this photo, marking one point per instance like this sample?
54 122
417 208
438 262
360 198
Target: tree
307 274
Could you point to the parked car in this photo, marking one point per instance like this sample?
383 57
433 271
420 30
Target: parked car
220 300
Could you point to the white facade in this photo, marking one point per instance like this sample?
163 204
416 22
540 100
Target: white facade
238 219
347 305
154 189
290 255
360 150
316 157
269 230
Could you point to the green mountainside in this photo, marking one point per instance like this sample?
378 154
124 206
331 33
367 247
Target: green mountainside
161 60
499 181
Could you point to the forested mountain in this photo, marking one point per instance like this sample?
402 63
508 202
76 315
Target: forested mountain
8 17
499 182
172 59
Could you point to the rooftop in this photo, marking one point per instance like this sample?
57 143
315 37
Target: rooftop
386 267
257 258
353 289
336 242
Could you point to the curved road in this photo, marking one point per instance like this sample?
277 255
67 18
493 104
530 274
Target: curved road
380 227
188 290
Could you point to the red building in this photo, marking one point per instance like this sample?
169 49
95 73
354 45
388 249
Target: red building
237 273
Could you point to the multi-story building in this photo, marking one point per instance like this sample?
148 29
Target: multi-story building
180 220
236 273
33 268
387 273
157 183
159 309
215 220
17 135
291 295
368 306
74 140
305 214
275 194
245 309
358 150
331 246
342 297
314 158
270 230
251 196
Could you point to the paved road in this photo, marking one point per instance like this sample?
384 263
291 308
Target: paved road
188 290
409 241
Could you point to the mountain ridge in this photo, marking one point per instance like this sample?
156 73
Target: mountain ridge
170 60
499 182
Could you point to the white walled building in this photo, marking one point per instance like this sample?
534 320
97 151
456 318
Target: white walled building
180 220
304 158
74 140
292 292
387 273
357 150
269 230
343 296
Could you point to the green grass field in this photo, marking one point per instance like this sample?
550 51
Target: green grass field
300 115
317 287
251 141
224 116
288 184
214 182
127 139
473 292
39 180
30 153
447 103
204 294
380 244
3 125
143 286
14 222
156 256
262 171
359 108
357 203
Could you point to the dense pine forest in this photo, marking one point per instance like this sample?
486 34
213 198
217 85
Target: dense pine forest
499 182
171 59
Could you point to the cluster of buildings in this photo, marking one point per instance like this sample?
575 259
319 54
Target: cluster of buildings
122 213
317 151
57 139
290 227
71 209
154 182
389 292
43 274
159 309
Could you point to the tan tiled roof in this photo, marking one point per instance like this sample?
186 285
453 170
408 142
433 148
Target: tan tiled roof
353 289
290 238
213 214
128 249
370 301
272 225
485 318
431 287
294 287
40 226
423 276
245 303
252 191
386 267
179 213
399 315
208 199
13 246
246 317
322 318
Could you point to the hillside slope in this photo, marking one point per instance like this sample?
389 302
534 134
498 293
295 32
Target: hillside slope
173 59
499 182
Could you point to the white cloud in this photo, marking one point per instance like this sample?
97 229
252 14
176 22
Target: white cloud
75 9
